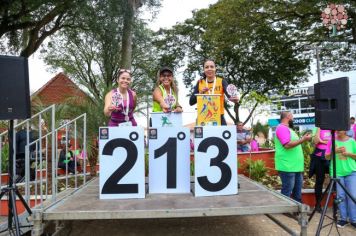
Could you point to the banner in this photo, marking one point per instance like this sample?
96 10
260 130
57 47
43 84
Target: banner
208 109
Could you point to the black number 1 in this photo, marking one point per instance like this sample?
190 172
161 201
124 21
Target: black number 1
111 185
170 147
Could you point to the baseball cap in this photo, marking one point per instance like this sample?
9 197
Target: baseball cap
165 68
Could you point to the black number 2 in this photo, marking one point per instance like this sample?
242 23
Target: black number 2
111 185
170 147
217 161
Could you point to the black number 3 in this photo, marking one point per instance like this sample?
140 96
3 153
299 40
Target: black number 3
218 162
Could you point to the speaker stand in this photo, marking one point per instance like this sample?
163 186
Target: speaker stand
11 190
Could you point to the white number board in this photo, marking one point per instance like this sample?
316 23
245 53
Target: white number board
122 163
215 160
169 160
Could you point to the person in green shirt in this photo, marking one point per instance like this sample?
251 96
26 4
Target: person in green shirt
289 158
345 159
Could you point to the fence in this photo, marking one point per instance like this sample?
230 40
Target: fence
42 178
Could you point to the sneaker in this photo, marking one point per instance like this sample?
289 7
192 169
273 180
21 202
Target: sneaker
354 225
342 223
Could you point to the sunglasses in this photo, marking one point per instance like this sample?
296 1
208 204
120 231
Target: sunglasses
124 70
166 75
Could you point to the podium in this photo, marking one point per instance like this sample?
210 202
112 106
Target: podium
208 110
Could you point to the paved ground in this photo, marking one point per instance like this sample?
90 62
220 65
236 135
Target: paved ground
234 225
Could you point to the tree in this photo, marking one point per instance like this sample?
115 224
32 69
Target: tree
249 51
301 19
91 57
24 25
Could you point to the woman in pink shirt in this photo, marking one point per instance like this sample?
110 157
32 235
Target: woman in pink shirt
318 164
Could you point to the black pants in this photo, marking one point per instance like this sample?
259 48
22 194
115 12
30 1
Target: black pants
321 168
71 166
21 168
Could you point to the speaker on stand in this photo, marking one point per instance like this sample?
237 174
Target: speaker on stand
332 112
14 104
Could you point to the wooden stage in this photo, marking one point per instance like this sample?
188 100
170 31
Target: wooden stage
84 204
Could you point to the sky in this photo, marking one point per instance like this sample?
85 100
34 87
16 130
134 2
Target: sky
171 12
182 10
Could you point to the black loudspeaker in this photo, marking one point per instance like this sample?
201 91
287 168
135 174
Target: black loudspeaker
14 88
332 104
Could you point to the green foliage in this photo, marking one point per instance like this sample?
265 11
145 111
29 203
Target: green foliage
146 162
298 17
4 157
192 168
248 50
24 25
256 169
272 181
91 55
259 127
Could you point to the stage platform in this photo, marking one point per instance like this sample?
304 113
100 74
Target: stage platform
84 204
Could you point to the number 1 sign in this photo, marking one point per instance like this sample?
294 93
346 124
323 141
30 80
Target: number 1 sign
169 160
122 164
215 160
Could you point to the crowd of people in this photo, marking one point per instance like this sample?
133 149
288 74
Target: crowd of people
289 157
289 161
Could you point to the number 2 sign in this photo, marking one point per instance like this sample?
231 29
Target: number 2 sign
122 164
215 160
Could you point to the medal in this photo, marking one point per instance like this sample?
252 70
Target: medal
170 100
116 99
125 110
232 90
213 89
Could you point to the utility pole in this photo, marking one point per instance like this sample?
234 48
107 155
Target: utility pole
317 63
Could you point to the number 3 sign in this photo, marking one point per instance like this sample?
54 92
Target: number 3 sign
122 163
215 160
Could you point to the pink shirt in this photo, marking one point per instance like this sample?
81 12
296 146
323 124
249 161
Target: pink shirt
354 129
325 135
283 134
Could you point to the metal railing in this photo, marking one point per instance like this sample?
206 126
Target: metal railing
43 179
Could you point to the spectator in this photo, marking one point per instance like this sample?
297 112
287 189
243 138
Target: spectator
345 149
289 158
243 137
353 126
81 154
67 159
318 164
21 142
351 131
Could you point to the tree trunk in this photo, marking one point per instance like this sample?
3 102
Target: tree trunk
129 19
